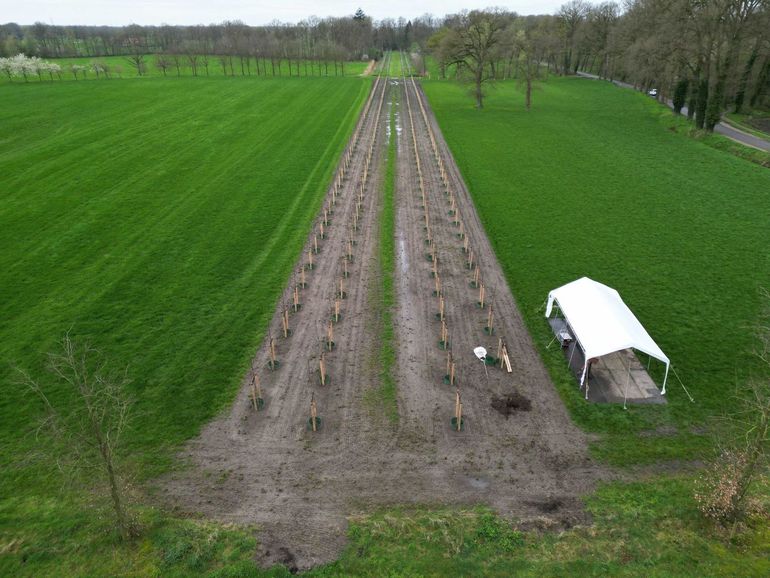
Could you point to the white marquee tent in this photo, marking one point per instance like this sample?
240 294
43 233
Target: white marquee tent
601 322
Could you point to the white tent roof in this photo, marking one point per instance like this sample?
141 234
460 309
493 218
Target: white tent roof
601 321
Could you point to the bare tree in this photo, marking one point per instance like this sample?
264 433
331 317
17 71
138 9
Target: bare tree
86 432
744 451
471 44
162 63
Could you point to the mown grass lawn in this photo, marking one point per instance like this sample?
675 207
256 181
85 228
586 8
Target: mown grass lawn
159 219
596 180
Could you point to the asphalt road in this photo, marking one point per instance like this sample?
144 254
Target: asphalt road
721 128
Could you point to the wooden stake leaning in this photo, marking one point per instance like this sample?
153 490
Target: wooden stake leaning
505 359
322 368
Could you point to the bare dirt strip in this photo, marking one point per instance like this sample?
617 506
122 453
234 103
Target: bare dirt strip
299 487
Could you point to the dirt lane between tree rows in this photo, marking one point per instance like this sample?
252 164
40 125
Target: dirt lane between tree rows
299 487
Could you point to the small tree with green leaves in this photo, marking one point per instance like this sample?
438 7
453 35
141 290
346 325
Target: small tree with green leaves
86 410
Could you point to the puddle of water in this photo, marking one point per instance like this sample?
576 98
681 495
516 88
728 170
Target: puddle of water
402 258
478 483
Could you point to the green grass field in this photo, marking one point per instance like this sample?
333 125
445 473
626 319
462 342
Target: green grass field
158 219
120 67
596 181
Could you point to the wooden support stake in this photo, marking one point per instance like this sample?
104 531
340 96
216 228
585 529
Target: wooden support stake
313 414
435 266
322 368
310 258
336 310
341 292
441 307
458 410
506 359
448 362
295 304
465 244
285 321
330 335
345 268
490 319
256 392
470 258
272 353
481 295
437 279
315 244
321 228
452 373
476 276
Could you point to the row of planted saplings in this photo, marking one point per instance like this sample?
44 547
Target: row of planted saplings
457 421
471 262
320 235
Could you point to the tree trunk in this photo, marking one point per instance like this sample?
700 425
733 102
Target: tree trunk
740 94
479 95
761 82
693 99
701 101
117 504
528 101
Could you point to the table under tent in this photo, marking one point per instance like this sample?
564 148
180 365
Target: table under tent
599 336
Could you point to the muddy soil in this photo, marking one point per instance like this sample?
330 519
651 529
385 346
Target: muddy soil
299 487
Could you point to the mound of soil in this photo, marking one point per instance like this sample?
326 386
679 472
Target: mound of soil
511 403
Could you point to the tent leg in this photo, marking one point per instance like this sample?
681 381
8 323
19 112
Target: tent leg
625 390
665 378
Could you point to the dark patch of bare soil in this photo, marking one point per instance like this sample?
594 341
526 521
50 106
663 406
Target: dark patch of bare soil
511 403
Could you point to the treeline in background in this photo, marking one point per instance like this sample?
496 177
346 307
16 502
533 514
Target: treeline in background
707 56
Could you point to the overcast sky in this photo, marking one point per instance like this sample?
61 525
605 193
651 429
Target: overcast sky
120 12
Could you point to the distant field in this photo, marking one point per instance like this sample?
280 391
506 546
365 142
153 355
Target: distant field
591 182
120 67
160 220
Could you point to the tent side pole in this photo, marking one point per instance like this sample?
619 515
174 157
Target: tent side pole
665 378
